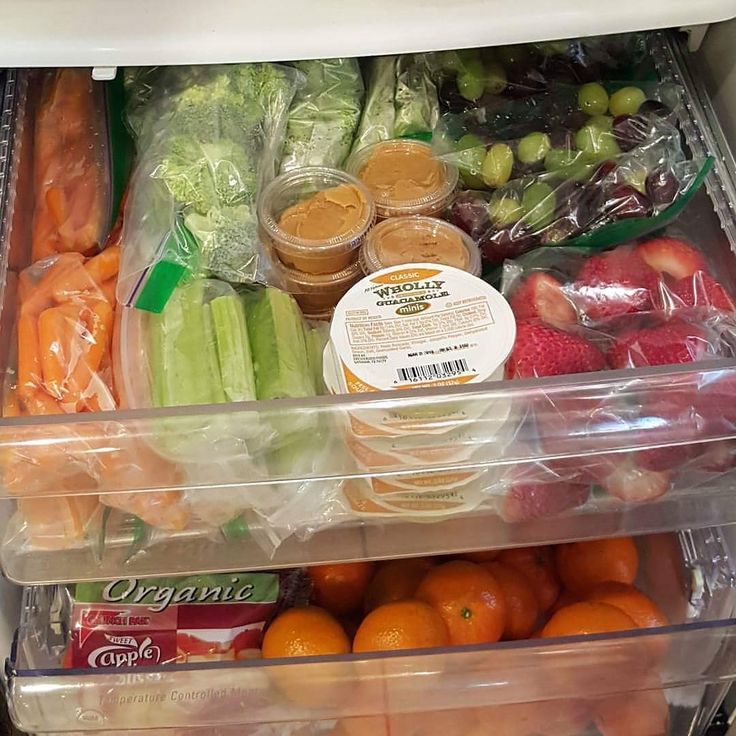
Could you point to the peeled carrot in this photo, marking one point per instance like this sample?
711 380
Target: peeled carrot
56 204
53 338
25 286
42 295
89 348
39 403
105 265
29 360
72 282
109 289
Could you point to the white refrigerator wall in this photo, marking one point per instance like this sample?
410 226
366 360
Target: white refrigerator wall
718 66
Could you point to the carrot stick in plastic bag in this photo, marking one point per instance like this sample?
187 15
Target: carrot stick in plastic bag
29 358
70 162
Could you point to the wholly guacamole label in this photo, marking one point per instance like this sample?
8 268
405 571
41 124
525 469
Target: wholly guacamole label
420 325
137 623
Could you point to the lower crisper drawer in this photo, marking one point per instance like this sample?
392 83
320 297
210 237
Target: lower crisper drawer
650 682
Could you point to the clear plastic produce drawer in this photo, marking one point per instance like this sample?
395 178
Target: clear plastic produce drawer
670 678
296 481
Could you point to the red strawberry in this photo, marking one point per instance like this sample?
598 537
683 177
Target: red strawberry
633 484
540 297
671 256
535 500
702 290
672 342
614 283
542 350
719 456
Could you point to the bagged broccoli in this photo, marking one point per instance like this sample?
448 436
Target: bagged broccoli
208 138
325 114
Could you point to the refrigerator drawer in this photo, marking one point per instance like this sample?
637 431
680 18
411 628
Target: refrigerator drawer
671 677
323 496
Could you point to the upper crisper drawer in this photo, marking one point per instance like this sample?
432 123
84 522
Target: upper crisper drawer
74 33
288 482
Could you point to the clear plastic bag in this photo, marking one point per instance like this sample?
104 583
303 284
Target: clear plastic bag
401 100
208 139
379 114
73 198
642 305
482 76
417 106
596 199
208 346
324 115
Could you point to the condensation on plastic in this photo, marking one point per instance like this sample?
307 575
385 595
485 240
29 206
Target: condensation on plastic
73 197
208 139
678 672
324 114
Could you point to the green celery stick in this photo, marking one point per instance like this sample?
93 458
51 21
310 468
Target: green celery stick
276 331
233 348
210 354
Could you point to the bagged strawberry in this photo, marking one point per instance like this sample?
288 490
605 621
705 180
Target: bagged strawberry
639 306
566 285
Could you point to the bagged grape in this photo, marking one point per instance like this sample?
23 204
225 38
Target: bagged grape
483 76
609 186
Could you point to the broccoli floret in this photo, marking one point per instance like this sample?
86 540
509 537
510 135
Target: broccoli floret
215 110
228 242
203 176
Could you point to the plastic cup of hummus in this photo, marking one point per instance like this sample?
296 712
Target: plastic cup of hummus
314 219
417 239
317 294
404 177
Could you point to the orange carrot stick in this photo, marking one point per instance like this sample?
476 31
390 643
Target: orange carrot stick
39 403
29 360
42 294
72 282
25 286
89 348
105 265
56 204
109 288
53 338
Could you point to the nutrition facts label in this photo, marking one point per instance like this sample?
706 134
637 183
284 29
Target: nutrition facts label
456 321
421 325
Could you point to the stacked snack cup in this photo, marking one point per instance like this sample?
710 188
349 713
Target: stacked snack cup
313 221
420 325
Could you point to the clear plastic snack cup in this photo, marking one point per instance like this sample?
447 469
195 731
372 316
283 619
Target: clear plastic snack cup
317 293
314 219
401 240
